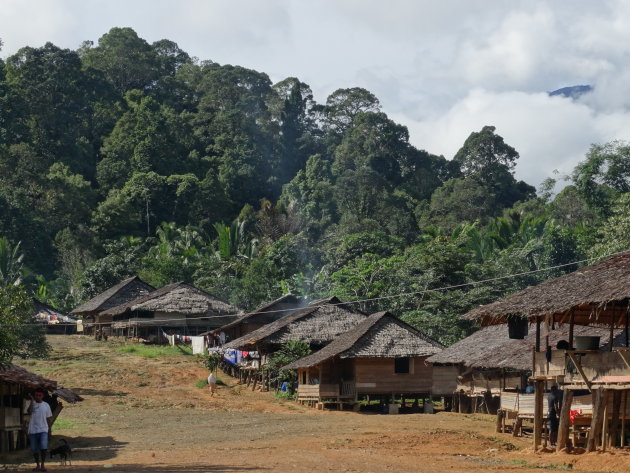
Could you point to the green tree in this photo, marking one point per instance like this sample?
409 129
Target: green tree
12 268
127 61
486 158
122 260
19 336
343 105
54 100
613 235
291 351
603 175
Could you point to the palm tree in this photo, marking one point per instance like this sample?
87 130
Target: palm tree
12 269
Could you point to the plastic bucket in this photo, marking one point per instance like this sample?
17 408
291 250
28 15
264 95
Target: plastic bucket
583 342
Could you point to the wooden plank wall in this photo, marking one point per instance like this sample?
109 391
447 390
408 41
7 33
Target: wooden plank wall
376 376
444 380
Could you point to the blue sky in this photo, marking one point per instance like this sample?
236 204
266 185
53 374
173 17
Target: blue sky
443 69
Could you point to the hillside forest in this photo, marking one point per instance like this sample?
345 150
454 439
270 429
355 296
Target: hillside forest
124 157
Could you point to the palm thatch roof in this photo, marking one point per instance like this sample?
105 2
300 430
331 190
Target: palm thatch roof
318 324
381 335
265 314
180 298
122 292
595 294
46 313
13 374
491 348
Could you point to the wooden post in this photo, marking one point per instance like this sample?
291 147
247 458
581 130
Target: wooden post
571 327
500 416
626 323
614 421
538 334
564 422
612 333
538 413
599 403
623 418
604 442
518 425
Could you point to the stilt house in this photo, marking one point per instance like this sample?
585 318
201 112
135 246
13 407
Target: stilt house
15 383
94 322
54 320
256 319
598 294
380 356
488 370
318 324
179 308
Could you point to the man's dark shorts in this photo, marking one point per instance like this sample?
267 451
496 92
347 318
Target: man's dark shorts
39 441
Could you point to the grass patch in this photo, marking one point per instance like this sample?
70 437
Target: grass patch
551 466
155 351
503 444
202 383
62 423
284 395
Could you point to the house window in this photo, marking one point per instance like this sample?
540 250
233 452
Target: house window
401 365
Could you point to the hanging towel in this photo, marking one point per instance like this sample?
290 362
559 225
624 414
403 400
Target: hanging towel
171 340
198 345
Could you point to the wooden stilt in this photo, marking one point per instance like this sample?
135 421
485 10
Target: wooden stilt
518 425
500 417
604 438
614 421
623 418
599 400
538 413
564 422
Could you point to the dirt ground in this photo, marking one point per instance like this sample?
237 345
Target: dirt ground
143 414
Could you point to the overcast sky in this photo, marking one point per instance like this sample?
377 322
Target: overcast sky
442 68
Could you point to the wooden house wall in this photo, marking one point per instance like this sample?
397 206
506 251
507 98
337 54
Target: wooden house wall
445 380
480 381
377 376
10 405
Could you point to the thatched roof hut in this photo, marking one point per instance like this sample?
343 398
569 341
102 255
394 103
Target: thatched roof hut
15 384
381 335
180 298
318 324
55 321
380 356
595 294
267 313
122 292
491 348
16 375
179 306
263 315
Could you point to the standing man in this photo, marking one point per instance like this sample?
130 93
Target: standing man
38 428
212 383
555 406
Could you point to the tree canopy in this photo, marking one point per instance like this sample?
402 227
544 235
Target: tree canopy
127 157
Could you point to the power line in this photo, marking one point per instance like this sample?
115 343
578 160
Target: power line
372 299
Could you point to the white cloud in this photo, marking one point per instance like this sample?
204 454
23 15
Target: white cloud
549 132
444 68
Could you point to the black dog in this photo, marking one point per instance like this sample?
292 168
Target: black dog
64 451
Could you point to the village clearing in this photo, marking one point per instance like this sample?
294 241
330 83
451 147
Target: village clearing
147 414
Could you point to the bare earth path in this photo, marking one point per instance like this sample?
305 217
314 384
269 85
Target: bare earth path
144 415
